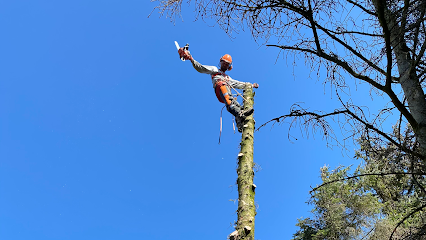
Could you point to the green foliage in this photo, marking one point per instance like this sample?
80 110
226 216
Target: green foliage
371 205
342 210
306 231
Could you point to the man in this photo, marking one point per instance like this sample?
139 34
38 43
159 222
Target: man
222 83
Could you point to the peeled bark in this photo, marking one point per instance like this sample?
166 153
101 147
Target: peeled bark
246 189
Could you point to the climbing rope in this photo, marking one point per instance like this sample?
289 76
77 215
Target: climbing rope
238 93
233 118
220 133
233 124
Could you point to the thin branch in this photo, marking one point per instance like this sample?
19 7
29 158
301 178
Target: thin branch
337 61
368 233
369 126
351 49
363 8
381 5
292 7
404 15
310 16
367 79
298 113
419 185
401 108
356 32
366 174
399 127
419 57
405 218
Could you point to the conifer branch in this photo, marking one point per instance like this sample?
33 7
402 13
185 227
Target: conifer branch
405 218
366 174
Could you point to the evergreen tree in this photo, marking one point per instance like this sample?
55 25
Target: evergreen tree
383 198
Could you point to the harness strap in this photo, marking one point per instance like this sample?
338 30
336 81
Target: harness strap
218 73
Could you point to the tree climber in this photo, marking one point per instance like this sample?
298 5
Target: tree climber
222 83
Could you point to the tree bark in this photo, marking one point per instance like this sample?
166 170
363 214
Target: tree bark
246 189
409 81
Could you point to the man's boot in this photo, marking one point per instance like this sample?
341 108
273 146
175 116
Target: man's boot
240 115
240 122
236 109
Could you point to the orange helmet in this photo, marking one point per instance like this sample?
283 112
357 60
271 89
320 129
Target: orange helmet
227 58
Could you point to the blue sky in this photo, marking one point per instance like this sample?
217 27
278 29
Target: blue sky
106 134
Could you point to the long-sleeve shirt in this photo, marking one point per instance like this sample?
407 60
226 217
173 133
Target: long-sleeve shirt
217 75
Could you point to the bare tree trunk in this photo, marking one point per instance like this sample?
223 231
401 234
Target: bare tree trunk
246 208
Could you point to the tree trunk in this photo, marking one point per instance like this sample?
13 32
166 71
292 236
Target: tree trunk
246 208
409 81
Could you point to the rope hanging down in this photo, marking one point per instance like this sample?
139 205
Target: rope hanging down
221 112
220 133
233 123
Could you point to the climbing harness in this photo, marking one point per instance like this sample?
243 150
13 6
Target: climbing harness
220 83
238 93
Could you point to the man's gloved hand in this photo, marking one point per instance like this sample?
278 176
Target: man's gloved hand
187 56
255 85
184 54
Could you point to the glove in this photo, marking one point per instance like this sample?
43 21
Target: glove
255 85
184 54
187 56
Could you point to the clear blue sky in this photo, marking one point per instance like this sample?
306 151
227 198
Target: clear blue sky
106 134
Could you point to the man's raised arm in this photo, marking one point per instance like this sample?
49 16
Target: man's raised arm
198 66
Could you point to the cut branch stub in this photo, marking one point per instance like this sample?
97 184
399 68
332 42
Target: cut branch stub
233 235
